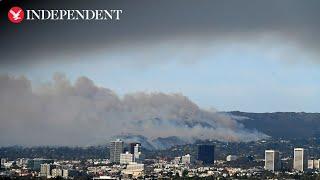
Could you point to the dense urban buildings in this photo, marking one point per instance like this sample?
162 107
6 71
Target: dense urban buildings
242 164
206 154
272 160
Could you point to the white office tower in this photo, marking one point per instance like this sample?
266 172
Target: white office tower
272 160
300 159
126 158
186 159
116 148
136 152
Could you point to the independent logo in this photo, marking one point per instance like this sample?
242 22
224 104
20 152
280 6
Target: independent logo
16 15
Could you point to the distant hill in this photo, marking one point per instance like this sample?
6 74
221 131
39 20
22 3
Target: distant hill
282 124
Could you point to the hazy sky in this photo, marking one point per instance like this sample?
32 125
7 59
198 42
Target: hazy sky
223 54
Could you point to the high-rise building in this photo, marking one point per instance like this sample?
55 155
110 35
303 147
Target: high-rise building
135 149
272 160
132 146
45 170
126 158
300 159
116 148
206 154
186 159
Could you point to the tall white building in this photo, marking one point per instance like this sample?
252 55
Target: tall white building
116 148
126 158
300 159
272 160
136 151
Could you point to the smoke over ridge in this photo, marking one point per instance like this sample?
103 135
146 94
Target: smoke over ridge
64 113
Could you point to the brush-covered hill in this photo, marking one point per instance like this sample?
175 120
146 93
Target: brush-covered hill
282 124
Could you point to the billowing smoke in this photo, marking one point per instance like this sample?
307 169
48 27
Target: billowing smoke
64 113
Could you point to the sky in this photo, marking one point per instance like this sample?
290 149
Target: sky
242 78
226 55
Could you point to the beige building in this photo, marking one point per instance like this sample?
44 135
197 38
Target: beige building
313 164
134 169
272 160
45 170
300 162
116 148
57 172
316 163
126 158
186 159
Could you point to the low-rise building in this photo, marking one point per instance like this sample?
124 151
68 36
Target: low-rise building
186 159
231 158
126 158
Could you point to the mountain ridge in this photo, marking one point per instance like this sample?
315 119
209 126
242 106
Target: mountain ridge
281 124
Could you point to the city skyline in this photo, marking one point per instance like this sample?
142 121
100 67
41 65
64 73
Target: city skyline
199 164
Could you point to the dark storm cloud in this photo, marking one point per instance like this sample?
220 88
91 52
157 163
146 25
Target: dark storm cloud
149 22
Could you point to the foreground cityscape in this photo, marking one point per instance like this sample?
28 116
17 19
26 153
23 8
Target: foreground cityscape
129 160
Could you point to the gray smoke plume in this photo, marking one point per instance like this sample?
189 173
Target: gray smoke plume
81 113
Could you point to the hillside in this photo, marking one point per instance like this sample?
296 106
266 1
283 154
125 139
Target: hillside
282 124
